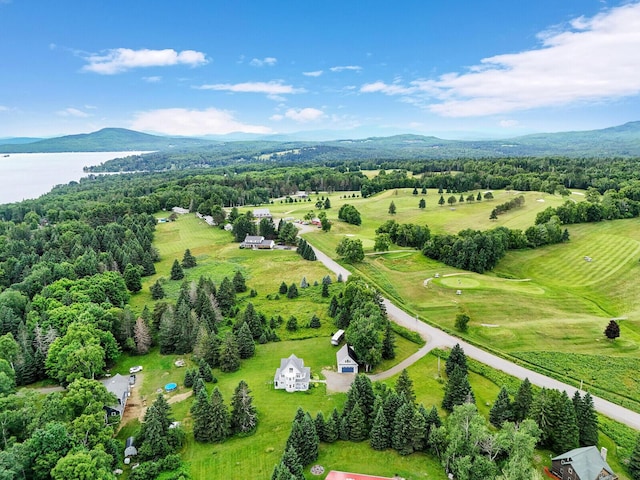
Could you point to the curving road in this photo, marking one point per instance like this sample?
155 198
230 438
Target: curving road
437 338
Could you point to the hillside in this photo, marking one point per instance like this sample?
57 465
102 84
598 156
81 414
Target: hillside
105 140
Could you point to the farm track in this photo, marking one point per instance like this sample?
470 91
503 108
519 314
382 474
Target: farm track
437 338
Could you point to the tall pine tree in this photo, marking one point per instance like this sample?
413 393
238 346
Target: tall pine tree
221 418
501 410
244 417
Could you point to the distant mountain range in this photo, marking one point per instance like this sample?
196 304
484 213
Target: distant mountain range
623 140
105 140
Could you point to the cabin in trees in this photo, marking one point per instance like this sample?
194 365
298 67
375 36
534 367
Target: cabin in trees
120 386
292 375
180 210
335 475
346 359
261 213
585 463
254 241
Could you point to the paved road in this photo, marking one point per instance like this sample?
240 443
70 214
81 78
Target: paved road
438 338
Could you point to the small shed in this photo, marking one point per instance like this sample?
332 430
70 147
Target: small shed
130 449
346 360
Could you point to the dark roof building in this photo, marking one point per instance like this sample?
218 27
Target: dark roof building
119 386
585 463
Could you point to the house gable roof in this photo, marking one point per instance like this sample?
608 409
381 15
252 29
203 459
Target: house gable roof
296 363
253 239
346 353
119 386
586 462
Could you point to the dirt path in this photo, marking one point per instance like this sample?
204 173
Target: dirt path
180 397
136 405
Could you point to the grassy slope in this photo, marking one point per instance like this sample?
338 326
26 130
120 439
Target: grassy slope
546 299
403 273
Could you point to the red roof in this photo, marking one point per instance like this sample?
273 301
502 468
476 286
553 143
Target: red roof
334 475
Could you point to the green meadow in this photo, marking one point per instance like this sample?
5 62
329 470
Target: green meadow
547 300
546 308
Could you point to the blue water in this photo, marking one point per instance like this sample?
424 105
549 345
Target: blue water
29 175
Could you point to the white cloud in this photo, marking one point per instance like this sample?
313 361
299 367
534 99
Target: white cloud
270 88
304 115
508 123
266 61
119 60
153 79
315 73
587 60
343 68
277 117
181 121
72 112
3 108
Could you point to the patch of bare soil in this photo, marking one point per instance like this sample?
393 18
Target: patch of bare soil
136 405
180 397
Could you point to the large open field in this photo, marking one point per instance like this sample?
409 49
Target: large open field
544 300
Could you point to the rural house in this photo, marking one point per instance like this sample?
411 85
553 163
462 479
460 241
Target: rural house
585 463
118 385
346 359
261 213
254 241
292 375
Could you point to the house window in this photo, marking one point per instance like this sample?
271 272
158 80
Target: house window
570 470
290 369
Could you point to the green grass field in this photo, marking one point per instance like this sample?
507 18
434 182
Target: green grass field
547 300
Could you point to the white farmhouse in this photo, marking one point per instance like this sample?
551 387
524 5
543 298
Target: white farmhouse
292 375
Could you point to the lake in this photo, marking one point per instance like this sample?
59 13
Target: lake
29 175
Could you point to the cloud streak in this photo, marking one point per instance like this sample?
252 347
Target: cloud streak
120 60
72 112
587 60
181 121
315 73
265 62
344 68
269 88
301 115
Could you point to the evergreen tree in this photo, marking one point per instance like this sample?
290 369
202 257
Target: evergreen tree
422 203
432 422
456 357
613 330
332 427
634 461
189 375
283 288
244 418
153 437
204 370
202 415
441 201
391 405
142 336
132 278
188 260
292 291
388 343
320 426
292 324
304 283
357 424
404 386
415 191
311 441
246 345
252 319
221 419
380 432
458 390
423 191
229 354
176 271
501 410
239 283
333 307
522 401
281 472
315 321
392 208
291 460
408 430
198 384
226 296
586 418
566 432
325 290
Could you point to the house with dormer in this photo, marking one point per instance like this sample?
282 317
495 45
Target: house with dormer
292 375
584 463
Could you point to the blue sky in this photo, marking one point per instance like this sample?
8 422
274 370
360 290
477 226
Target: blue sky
454 69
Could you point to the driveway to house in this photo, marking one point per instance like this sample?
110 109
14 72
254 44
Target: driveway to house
438 338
